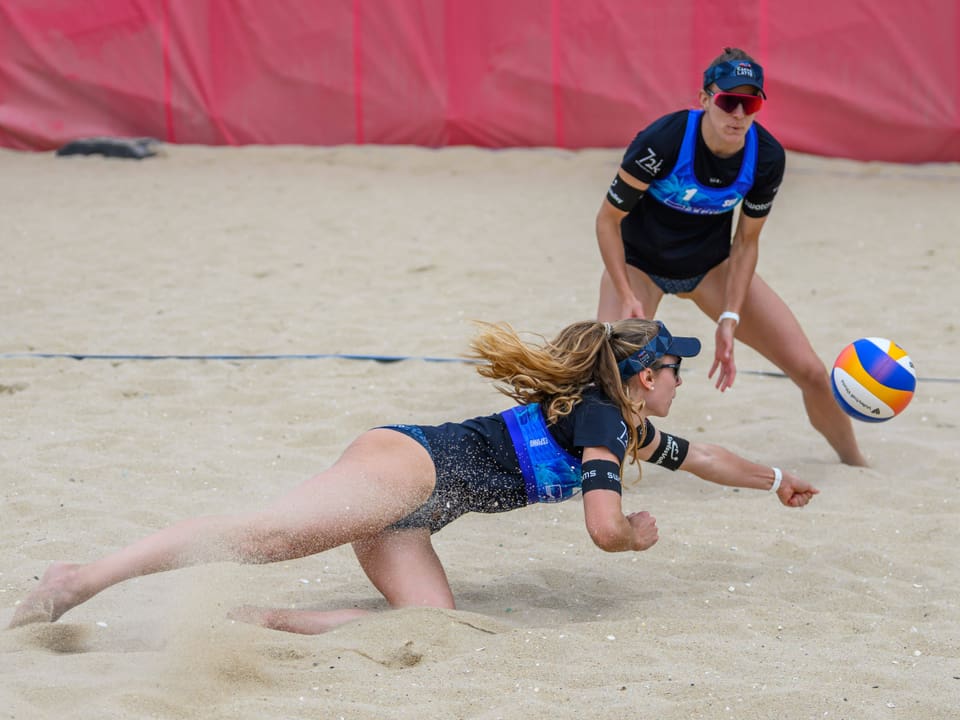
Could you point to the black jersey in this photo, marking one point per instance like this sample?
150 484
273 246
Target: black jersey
477 465
673 244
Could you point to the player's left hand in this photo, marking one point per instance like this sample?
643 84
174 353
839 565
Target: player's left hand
794 492
723 357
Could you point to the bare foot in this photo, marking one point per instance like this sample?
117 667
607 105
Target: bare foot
856 459
305 622
54 595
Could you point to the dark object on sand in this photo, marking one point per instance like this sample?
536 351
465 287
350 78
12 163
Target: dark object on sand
135 148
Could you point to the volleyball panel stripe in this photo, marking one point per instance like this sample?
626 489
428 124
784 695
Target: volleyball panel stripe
880 366
855 395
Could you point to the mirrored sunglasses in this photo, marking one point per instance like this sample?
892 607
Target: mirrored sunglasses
728 102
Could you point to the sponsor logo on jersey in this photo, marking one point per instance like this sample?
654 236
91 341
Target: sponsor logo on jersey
692 209
650 162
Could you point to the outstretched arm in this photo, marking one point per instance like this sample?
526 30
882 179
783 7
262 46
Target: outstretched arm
721 466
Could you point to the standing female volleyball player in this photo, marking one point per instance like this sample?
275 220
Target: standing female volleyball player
666 223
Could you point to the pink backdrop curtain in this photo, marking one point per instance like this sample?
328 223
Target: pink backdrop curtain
864 80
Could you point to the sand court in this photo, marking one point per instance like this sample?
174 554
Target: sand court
745 609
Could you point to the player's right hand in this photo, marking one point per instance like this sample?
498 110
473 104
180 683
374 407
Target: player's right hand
632 308
644 527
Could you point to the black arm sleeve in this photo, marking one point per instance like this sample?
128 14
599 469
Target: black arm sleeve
623 196
600 475
671 452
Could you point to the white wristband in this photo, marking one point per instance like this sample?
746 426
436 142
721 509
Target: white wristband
729 315
777 479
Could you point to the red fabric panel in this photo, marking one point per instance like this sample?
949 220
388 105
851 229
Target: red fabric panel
870 81
498 60
71 69
625 64
881 81
258 72
401 61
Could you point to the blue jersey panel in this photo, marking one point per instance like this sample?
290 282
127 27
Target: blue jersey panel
551 474
682 191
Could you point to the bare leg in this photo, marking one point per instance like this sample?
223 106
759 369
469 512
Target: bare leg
382 477
769 326
609 308
404 567
401 564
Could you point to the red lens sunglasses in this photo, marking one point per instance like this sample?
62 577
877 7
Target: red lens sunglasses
728 101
